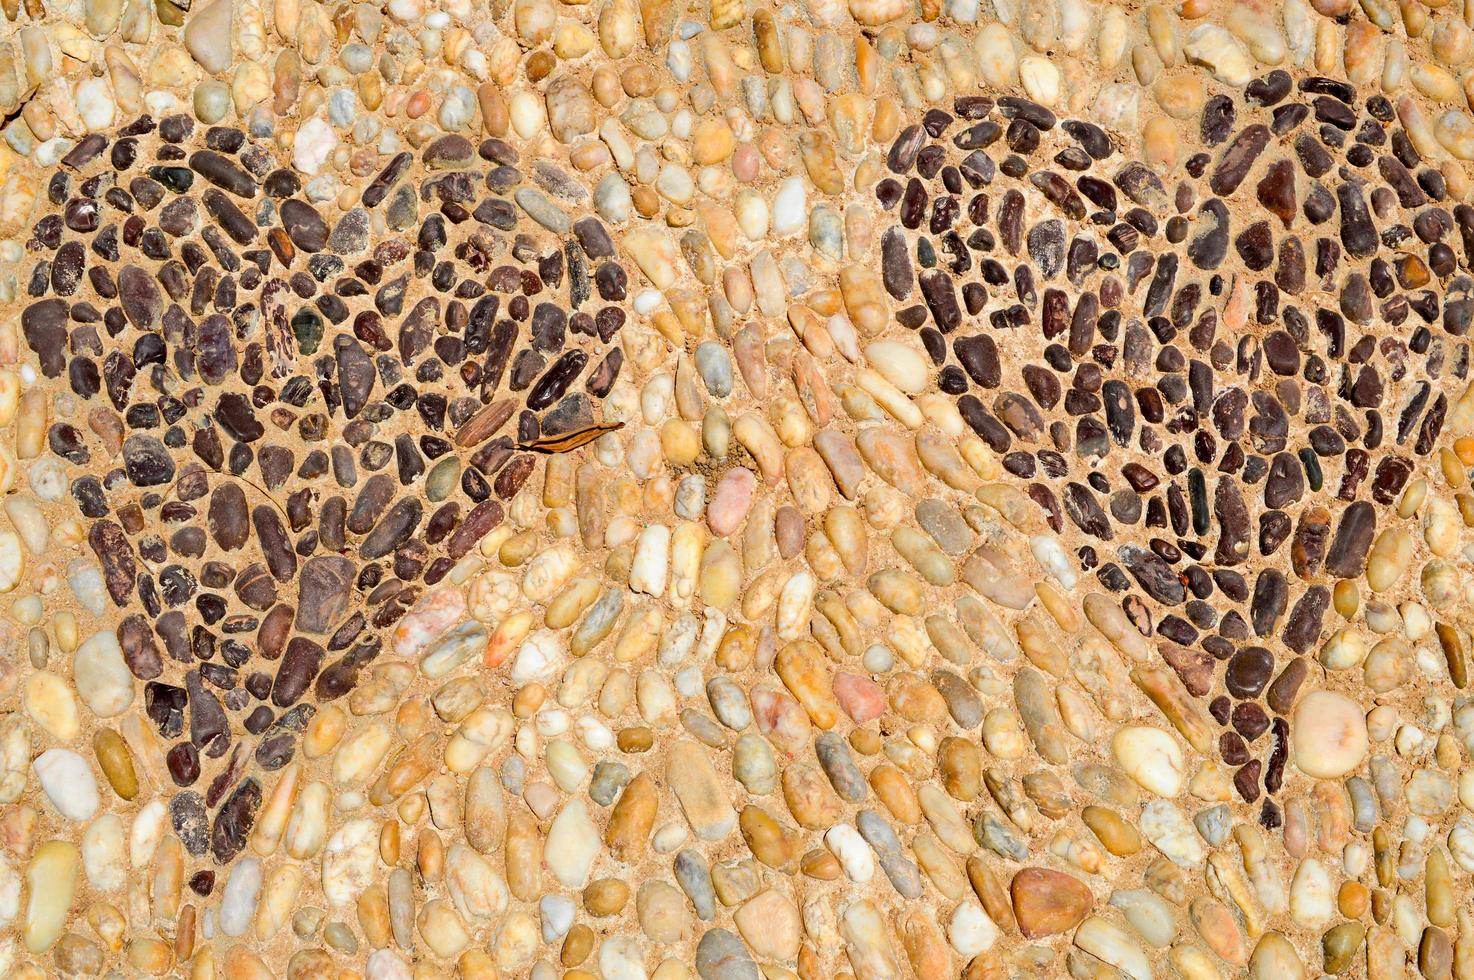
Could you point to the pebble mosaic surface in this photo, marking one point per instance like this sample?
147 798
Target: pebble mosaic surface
612 490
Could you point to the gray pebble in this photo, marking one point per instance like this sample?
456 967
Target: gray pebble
690 499
826 232
342 106
703 728
350 237
261 123
990 832
1214 824
609 779
557 181
797 274
403 211
963 702
945 525
715 367
599 618
543 211
694 877
1387 780
721 956
356 57
1363 804
839 766
514 773
729 702
903 875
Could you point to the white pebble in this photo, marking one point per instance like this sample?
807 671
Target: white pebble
238 900
102 678
647 301
68 783
970 930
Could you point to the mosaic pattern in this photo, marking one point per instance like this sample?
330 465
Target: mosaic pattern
614 491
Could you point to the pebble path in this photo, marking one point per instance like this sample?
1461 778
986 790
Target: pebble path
611 491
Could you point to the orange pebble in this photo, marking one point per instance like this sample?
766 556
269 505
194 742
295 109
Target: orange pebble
1352 899
528 700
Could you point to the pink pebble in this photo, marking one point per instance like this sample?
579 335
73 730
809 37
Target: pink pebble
730 502
860 697
781 719
745 162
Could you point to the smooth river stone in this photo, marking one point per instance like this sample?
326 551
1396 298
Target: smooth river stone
901 364
238 900
52 881
572 844
101 676
44 325
1329 734
893 458
860 697
207 36
305 226
844 463
864 299
770 923
731 500
1150 757
67 781
1047 902
699 791
721 956
655 254
325 584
